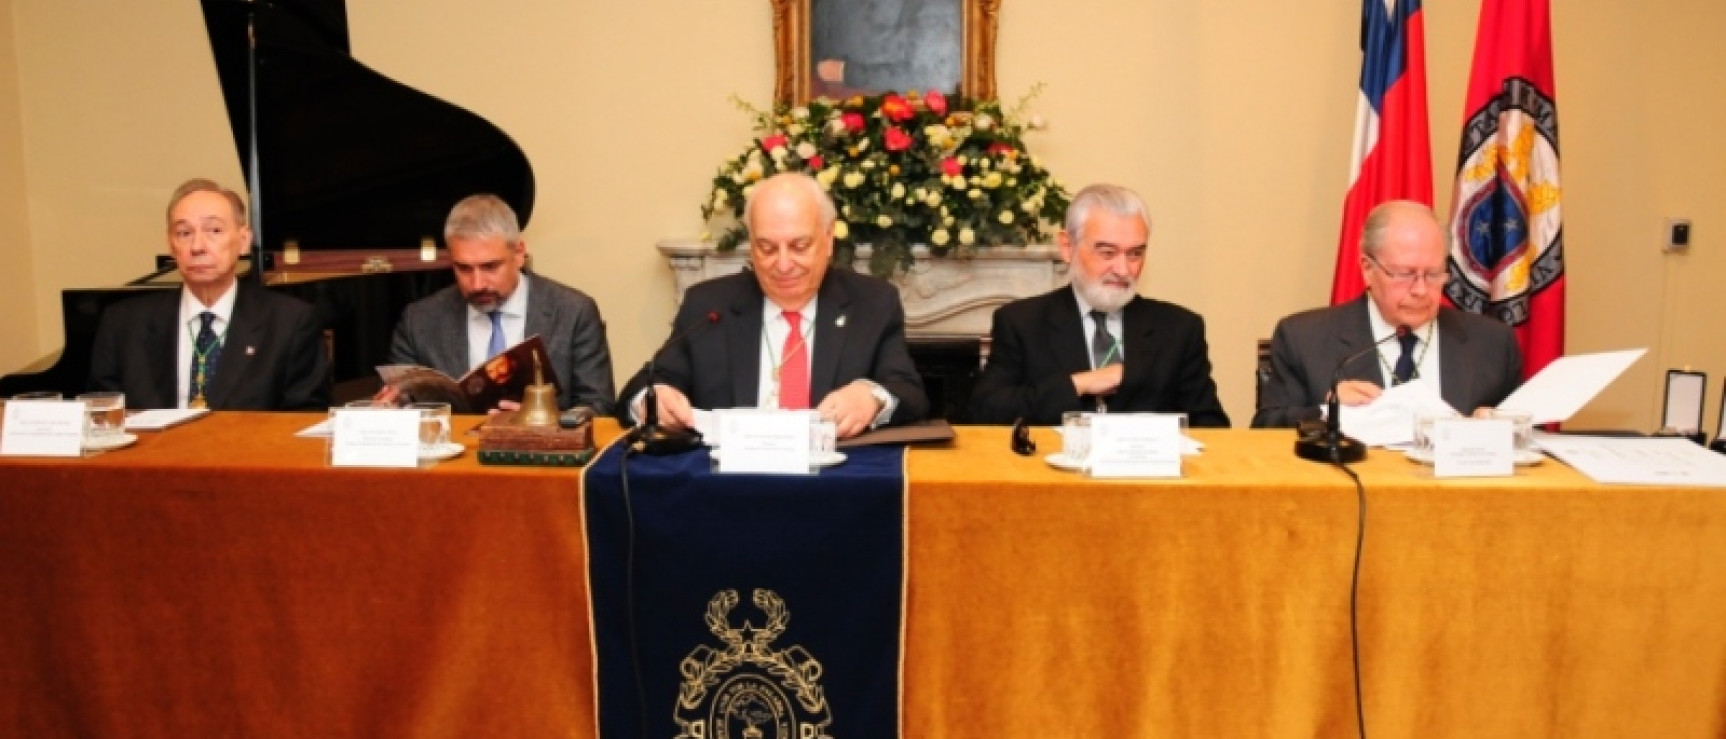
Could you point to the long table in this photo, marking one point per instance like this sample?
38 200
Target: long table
219 579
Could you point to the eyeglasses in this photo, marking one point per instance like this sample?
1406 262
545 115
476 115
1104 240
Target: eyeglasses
1407 279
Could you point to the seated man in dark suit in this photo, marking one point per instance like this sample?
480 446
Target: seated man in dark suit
495 304
789 332
217 342
1473 359
1098 345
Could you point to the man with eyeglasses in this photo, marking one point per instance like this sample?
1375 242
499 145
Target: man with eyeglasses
1098 345
1474 360
218 342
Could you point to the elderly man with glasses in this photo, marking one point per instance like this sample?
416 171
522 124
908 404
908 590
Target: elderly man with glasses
1474 360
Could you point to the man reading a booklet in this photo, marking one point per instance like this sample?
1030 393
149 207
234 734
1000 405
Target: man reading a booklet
496 305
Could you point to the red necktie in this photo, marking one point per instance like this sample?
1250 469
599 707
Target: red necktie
793 366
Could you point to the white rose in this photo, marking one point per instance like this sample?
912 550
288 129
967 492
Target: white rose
883 221
983 122
1006 217
805 150
827 176
800 113
719 198
794 130
752 171
853 179
840 230
975 194
940 237
747 191
933 198
898 191
967 236
863 144
836 126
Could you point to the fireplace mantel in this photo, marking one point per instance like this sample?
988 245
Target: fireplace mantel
945 299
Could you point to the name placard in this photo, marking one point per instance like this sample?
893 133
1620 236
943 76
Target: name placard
1135 445
763 441
43 428
375 437
1471 447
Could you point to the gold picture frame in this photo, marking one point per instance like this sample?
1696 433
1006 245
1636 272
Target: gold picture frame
795 71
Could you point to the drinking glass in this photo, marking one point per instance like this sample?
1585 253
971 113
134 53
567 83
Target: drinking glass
434 426
106 419
1076 436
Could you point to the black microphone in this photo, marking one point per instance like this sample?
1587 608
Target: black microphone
1328 445
647 437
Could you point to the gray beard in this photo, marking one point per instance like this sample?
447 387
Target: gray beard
1102 297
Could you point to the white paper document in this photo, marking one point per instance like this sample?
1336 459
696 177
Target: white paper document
319 430
1389 419
1563 387
161 418
1639 461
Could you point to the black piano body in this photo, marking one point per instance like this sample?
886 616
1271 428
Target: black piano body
350 176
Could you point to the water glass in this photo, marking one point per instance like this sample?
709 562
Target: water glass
1423 426
434 426
823 436
1521 429
106 415
1076 436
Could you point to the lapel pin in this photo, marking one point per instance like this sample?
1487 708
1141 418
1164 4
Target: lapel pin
840 321
250 351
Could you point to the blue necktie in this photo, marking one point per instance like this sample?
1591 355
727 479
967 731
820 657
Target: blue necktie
1404 370
1102 343
496 346
206 350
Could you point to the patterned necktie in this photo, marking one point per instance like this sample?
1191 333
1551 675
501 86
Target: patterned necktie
1103 351
1405 364
206 350
793 370
496 345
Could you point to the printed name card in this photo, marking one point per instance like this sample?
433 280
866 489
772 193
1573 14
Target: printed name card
1135 445
1470 447
43 428
375 437
763 441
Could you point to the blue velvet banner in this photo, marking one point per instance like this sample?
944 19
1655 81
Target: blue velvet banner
733 606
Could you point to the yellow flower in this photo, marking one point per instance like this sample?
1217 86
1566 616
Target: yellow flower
992 180
853 179
898 191
1006 217
827 176
883 221
967 236
840 230
940 237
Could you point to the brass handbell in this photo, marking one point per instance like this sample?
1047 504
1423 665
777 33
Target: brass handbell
539 400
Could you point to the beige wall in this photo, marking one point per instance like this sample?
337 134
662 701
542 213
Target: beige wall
1233 119
18 344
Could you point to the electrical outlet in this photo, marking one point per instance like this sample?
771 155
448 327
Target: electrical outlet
1677 236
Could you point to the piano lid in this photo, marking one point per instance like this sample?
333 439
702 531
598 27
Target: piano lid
344 157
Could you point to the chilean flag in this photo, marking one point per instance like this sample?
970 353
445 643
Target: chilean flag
1507 234
1392 150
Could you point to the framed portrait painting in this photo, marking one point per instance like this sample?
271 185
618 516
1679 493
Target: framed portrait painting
840 48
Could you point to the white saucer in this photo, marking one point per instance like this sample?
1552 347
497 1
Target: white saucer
113 442
1523 459
442 451
818 459
1060 461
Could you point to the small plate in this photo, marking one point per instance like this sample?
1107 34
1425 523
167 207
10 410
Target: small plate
826 459
442 451
113 442
1523 459
1060 461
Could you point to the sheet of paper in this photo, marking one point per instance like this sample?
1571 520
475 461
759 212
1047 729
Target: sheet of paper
161 418
1389 419
43 428
1563 387
319 430
1639 461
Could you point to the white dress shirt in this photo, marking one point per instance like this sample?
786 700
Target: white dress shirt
190 309
514 309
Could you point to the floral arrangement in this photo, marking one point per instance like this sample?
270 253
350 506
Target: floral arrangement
903 170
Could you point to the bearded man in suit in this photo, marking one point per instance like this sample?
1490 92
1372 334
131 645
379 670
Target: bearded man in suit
217 342
1098 344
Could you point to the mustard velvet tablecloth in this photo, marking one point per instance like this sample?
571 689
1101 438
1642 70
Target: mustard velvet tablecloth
219 580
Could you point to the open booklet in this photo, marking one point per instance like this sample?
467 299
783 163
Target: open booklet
503 377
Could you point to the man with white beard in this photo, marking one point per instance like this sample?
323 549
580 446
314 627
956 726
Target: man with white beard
1098 345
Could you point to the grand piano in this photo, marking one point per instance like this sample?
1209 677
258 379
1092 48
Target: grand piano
350 176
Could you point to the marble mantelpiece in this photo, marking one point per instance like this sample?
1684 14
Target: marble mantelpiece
945 299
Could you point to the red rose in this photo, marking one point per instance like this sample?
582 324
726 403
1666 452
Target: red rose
815 163
999 148
895 108
773 142
853 121
950 167
936 102
896 139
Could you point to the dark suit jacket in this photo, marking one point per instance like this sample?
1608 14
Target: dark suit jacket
272 357
1479 363
433 333
1037 344
859 334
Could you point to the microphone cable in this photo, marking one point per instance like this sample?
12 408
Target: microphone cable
629 594
1354 595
